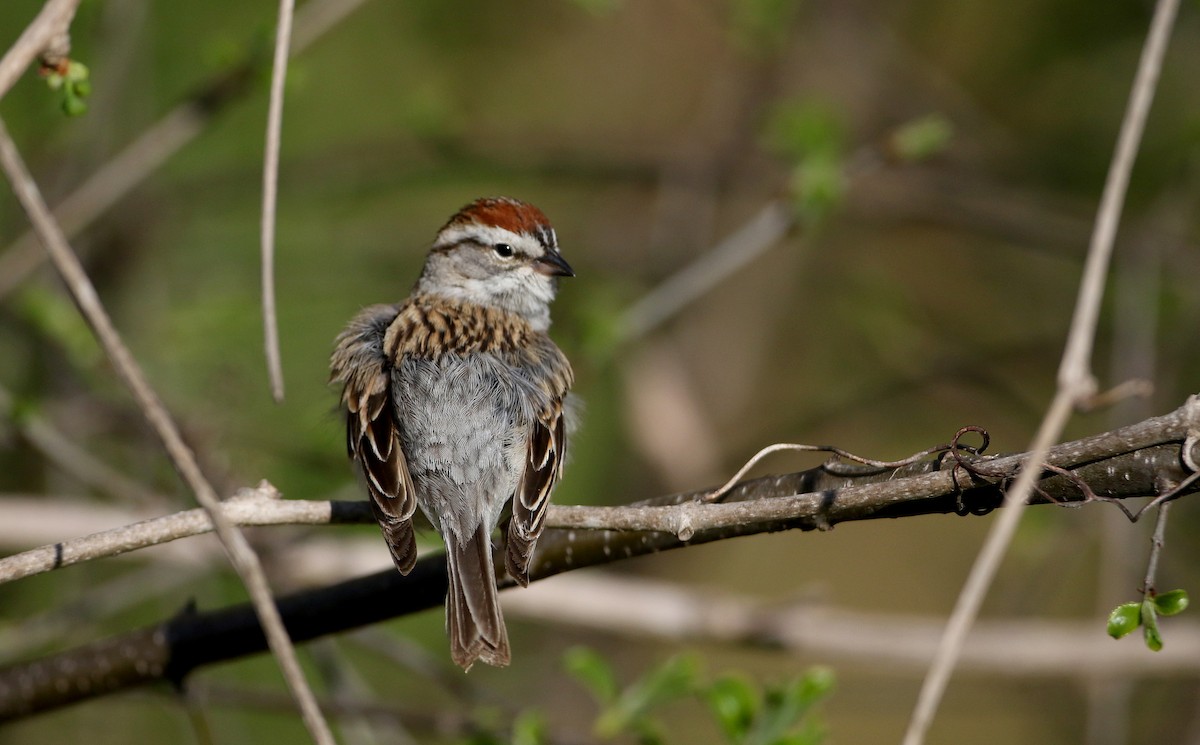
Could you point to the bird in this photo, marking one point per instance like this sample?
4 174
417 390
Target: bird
456 402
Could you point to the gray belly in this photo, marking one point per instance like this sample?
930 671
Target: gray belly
464 429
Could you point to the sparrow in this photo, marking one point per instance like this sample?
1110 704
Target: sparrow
454 403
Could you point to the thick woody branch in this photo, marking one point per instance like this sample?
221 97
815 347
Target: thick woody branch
1129 462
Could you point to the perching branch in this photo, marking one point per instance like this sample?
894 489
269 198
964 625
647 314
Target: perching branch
1129 462
1139 460
1116 465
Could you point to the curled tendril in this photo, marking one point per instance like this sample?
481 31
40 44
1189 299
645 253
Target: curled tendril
834 464
975 469
1166 496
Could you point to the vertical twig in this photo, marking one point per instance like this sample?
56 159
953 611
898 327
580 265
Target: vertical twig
283 35
1156 544
241 555
1075 379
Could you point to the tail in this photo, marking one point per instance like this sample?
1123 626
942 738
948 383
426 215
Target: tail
473 615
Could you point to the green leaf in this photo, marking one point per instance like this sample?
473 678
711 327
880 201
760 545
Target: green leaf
529 728
734 701
818 683
801 129
783 719
73 84
73 105
671 680
593 671
819 185
674 678
1124 619
1170 603
77 71
922 138
787 705
56 317
1150 626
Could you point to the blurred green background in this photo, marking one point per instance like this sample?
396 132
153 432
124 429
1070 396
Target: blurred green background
917 295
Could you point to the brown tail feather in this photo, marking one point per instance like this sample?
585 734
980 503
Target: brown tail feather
473 615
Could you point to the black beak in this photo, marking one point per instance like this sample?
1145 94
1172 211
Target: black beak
552 264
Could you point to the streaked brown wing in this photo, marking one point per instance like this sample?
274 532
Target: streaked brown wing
547 452
372 437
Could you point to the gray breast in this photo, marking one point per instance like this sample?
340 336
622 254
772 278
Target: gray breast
464 428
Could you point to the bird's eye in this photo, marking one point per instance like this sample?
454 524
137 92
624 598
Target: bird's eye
503 250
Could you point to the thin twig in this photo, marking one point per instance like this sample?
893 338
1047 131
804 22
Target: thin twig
261 506
241 555
72 459
1076 382
46 32
283 34
1156 545
762 231
839 453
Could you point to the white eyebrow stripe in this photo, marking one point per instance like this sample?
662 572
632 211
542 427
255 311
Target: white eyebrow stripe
487 235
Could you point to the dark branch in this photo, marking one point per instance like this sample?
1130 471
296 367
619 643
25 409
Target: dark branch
1136 461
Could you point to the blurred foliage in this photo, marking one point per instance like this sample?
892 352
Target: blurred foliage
922 138
810 136
762 27
949 156
56 318
778 715
71 81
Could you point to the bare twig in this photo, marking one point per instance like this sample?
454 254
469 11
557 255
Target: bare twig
283 34
1156 545
73 459
260 506
45 33
838 453
764 230
1076 383
241 555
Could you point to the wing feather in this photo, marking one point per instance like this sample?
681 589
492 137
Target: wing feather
546 454
360 363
